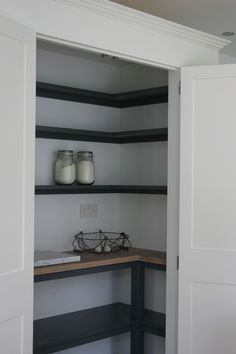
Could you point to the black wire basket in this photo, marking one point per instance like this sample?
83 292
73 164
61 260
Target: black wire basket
101 242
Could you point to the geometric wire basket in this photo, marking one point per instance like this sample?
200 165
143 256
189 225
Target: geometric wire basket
101 242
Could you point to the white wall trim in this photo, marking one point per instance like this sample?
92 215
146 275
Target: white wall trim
104 26
149 22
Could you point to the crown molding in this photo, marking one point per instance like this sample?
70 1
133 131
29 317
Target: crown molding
152 23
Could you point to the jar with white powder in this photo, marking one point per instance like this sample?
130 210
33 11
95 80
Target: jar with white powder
65 167
85 169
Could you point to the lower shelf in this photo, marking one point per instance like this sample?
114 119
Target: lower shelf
84 189
154 322
72 329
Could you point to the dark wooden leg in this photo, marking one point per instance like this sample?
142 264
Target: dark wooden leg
137 306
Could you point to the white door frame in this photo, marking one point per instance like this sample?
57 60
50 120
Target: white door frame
173 192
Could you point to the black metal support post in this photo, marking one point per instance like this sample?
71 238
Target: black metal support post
137 306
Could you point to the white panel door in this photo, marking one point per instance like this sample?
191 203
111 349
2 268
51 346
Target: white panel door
207 270
17 116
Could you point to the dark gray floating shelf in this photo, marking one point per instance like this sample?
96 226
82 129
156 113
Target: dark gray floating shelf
154 323
118 100
72 329
99 189
124 137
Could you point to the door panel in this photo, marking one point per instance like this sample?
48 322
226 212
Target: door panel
207 281
216 334
214 221
11 91
17 112
9 329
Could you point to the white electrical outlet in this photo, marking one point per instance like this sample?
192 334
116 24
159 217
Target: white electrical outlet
88 210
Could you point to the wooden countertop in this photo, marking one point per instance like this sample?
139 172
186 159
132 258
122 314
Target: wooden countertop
90 260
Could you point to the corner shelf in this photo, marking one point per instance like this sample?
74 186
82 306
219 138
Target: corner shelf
72 329
118 100
91 263
76 328
125 137
69 330
99 189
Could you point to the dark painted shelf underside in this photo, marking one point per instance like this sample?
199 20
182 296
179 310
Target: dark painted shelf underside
72 329
98 189
125 137
118 100
154 322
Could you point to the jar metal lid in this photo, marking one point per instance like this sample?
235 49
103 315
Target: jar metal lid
65 152
88 153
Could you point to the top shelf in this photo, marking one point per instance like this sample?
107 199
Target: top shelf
117 100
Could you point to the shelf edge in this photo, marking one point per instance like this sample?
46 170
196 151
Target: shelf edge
119 100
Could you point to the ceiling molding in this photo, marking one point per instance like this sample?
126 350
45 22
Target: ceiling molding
149 22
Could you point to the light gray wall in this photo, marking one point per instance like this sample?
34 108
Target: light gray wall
143 217
65 67
226 59
57 218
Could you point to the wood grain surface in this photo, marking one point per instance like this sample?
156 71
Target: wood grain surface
90 260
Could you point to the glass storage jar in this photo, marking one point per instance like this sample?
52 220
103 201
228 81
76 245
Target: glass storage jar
65 167
85 169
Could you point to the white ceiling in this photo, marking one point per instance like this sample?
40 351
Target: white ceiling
212 16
